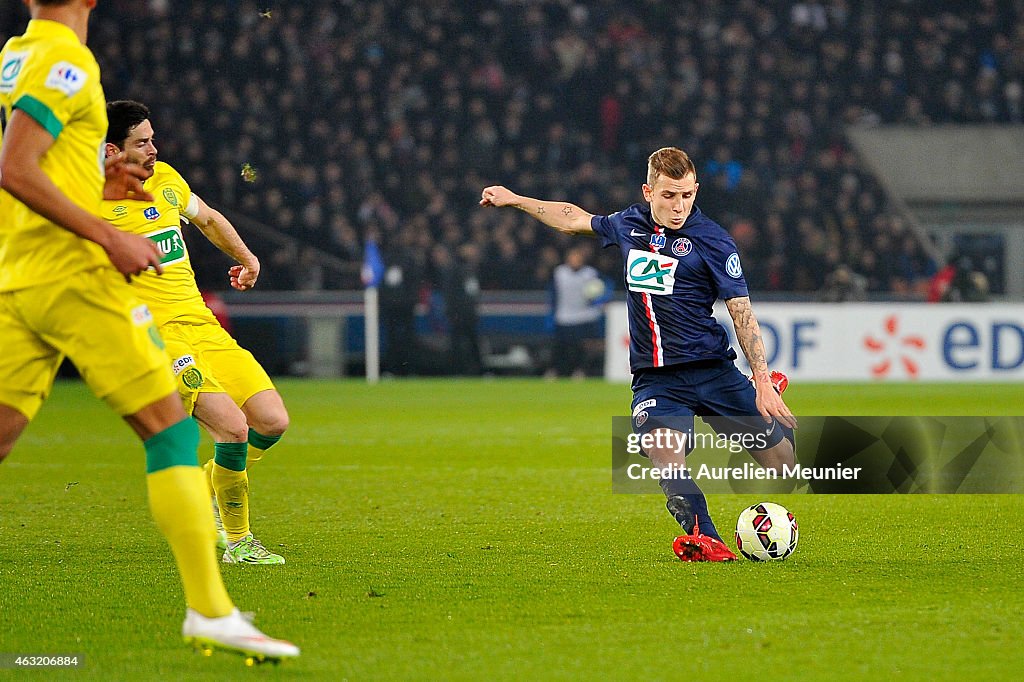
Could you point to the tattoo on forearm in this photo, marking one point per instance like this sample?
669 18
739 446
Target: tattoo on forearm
567 210
541 210
748 333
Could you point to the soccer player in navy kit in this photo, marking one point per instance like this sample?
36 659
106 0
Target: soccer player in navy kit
677 263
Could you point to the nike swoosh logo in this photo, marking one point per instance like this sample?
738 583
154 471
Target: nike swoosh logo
634 233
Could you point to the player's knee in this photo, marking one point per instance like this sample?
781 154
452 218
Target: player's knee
273 424
237 433
234 430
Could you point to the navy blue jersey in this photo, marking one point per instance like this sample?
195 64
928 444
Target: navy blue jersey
673 278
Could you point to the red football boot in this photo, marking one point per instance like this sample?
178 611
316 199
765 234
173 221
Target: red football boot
700 547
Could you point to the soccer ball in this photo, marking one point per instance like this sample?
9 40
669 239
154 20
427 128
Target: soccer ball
766 532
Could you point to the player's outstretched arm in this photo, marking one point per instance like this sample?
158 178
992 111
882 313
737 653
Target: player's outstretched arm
225 237
748 333
25 143
561 215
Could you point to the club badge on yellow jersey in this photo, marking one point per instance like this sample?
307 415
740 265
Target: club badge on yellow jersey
174 294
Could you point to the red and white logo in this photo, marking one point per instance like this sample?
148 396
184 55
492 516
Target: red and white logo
895 349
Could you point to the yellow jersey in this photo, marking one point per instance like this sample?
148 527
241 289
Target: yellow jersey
48 74
172 296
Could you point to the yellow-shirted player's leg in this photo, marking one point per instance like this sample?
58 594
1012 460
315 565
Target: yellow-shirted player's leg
231 485
259 444
226 472
245 380
111 337
178 501
242 378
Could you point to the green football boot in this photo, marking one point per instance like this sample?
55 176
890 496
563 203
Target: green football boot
249 550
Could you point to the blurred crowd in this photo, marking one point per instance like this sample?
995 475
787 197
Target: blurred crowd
387 118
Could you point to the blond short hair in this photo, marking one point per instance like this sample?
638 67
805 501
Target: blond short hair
671 162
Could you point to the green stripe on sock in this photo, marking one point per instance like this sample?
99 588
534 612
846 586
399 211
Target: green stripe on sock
230 455
261 442
174 446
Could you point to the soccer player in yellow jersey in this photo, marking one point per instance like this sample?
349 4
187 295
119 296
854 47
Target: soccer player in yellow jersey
63 293
221 384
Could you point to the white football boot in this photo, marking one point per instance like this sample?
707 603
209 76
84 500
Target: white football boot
235 633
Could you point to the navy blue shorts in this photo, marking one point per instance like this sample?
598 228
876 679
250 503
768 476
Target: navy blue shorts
716 391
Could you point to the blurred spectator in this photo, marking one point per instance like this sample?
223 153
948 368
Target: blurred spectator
967 285
456 280
843 284
377 113
399 293
577 292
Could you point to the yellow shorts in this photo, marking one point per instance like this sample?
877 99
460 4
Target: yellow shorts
205 359
95 319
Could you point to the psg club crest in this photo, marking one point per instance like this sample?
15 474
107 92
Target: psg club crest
657 241
681 247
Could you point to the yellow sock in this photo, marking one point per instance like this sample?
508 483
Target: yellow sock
259 444
181 508
208 476
255 455
233 500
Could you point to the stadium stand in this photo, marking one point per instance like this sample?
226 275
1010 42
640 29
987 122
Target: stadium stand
388 117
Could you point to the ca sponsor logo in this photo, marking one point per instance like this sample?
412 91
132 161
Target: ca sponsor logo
650 272
179 364
640 407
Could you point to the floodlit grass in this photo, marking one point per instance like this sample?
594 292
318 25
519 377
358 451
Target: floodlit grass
466 530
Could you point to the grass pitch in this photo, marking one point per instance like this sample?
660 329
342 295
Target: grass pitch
466 530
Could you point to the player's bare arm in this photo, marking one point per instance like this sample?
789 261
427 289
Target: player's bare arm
225 237
25 143
748 334
560 215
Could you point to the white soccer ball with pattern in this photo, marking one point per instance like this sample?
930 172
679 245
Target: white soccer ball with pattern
766 532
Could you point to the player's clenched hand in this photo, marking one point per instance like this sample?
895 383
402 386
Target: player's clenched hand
124 179
497 195
244 277
770 404
132 254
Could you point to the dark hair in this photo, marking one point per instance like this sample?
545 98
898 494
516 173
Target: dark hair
122 117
